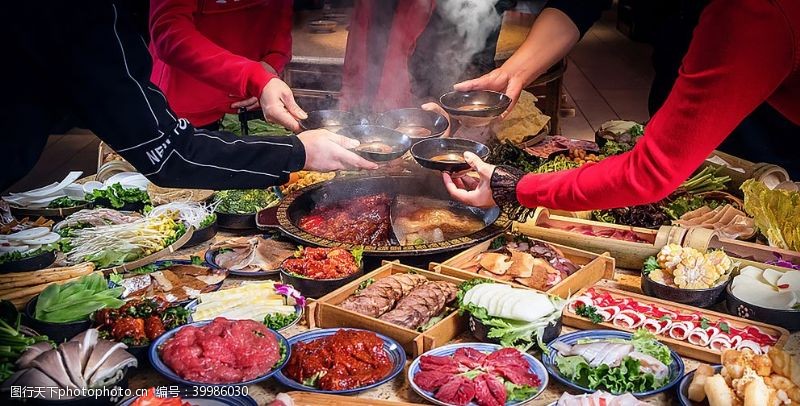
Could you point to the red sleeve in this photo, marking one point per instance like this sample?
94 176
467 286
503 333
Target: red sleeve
177 42
279 51
739 55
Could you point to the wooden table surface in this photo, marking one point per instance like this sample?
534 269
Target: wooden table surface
398 389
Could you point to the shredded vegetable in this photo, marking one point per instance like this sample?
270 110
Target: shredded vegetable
191 213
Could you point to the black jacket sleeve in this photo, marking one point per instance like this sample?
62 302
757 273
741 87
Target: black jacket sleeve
95 54
583 13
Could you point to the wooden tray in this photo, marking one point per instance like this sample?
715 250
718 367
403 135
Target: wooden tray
593 268
321 399
683 348
325 313
627 254
152 257
748 253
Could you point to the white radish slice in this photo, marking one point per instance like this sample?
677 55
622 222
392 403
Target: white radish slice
507 306
475 293
490 294
789 281
13 248
751 271
32 248
28 234
764 296
44 240
91 186
492 306
532 307
771 276
48 190
128 180
75 191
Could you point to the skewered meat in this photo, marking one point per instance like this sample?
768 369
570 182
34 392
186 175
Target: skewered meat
381 296
421 304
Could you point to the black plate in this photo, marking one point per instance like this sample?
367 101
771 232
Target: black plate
33 263
332 120
316 288
57 332
236 221
366 134
481 332
414 117
788 319
103 202
693 297
425 150
287 214
204 234
493 103
54 213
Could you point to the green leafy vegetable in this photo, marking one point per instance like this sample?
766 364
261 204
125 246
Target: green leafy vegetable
209 220
508 154
724 327
12 342
590 312
18 256
277 321
776 213
247 201
650 265
116 196
150 268
465 286
604 215
196 260
517 393
115 278
614 148
358 254
637 130
559 163
363 285
704 323
705 181
313 379
647 343
231 123
681 205
64 202
76 300
627 377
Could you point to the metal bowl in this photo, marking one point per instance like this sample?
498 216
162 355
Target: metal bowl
417 123
435 153
475 103
331 120
378 144
321 26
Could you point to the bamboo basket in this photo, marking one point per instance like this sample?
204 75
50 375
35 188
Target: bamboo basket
325 313
593 268
627 254
748 253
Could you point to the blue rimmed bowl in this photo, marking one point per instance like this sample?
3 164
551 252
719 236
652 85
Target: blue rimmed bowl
683 388
448 350
676 368
167 372
392 348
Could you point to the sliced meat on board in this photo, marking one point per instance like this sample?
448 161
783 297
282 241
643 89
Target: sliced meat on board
421 304
381 296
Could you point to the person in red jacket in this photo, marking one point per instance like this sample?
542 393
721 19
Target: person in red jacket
727 72
213 57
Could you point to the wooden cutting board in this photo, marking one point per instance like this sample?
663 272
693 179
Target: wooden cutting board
319 399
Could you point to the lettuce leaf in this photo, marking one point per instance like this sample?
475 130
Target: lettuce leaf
627 377
647 343
517 393
776 213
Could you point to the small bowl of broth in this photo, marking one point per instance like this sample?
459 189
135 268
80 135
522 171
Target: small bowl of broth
447 154
331 120
378 144
484 104
417 123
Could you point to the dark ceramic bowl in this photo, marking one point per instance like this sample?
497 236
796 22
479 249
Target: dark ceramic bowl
398 142
417 123
788 319
693 297
58 332
33 263
236 221
316 288
453 149
331 120
683 388
321 26
475 103
481 331
204 234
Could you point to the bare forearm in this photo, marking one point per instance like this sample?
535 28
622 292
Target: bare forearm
551 37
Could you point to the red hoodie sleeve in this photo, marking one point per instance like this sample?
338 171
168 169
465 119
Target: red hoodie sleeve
279 51
739 56
177 42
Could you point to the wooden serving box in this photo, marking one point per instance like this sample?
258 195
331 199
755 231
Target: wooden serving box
631 255
325 313
683 348
593 268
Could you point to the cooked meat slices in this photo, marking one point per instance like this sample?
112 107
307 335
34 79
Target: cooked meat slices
381 296
253 254
727 220
421 304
